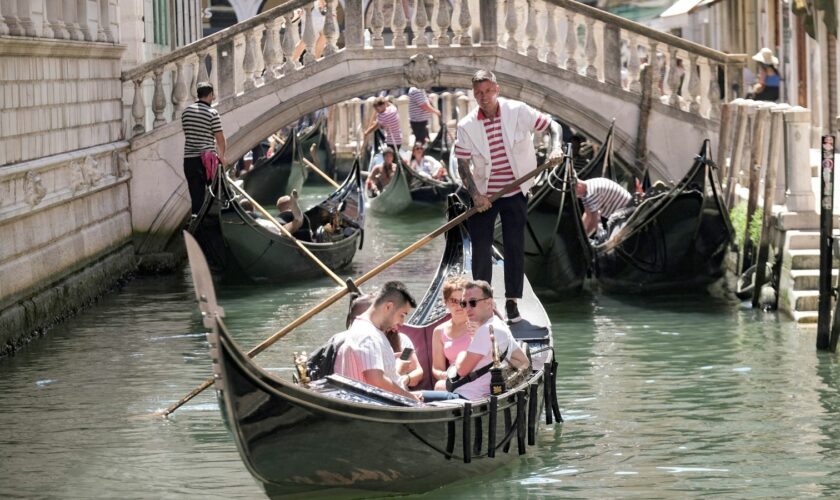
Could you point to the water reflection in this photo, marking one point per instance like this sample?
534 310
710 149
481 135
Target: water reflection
663 397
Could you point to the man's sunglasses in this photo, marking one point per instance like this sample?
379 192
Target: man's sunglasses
472 302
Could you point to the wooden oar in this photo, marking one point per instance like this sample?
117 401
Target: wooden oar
332 299
287 234
318 170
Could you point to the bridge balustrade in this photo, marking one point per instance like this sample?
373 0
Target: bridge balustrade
568 35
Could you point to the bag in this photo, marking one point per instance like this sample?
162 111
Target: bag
210 160
454 381
322 362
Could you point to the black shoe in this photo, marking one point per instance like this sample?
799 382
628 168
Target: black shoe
512 312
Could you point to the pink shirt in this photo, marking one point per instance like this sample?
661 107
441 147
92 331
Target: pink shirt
453 347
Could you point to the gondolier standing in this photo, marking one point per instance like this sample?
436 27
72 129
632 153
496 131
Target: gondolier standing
202 132
494 146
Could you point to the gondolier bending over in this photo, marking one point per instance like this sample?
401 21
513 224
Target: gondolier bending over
497 139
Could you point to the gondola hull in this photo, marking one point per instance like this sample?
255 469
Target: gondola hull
394 198
276 176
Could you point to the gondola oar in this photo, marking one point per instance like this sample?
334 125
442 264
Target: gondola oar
318 170
287 234
332 299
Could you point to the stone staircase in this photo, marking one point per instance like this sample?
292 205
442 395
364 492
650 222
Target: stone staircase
799 287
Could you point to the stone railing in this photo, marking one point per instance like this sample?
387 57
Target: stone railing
83 21
585 41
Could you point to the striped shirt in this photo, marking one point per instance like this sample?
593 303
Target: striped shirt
389 121
605 196
371 348
200 123
501 173
416 99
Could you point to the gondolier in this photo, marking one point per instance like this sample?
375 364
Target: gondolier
601 198
202 132
494 146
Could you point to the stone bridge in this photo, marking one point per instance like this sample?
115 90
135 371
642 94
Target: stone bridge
575 62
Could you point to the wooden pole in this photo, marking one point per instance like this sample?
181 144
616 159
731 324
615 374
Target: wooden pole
332 299
320 172
724 138
759 145
287 234
773 159
741 121
644 120
826 230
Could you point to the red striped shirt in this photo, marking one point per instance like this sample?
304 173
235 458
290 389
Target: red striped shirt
389 120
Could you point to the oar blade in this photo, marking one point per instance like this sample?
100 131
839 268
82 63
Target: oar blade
205 292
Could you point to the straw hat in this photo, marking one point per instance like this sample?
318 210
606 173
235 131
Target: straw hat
765 56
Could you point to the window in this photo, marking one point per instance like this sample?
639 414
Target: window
160 15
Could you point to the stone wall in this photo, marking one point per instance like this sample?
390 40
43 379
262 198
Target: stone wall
65 222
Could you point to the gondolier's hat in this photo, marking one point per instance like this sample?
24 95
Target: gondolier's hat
765 56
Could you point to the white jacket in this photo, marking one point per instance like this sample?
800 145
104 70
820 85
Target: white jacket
518 121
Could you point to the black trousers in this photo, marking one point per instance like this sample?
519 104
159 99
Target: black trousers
196 182
420 131
513 211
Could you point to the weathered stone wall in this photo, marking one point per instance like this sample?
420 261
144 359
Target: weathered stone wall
65 221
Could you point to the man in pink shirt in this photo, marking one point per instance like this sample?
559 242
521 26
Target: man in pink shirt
494 146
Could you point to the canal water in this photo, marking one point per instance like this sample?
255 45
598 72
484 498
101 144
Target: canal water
662 397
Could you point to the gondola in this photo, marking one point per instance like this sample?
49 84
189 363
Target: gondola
271 178
439 148
323 157
264 255
674 240
396 196
338 436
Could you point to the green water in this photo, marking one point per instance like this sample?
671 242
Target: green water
663 398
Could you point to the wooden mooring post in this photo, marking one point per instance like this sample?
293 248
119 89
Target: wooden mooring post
774 159
758 147
826 229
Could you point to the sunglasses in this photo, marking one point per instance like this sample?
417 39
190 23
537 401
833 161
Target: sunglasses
472 302
453 302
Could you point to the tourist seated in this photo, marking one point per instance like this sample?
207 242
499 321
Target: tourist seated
424 165
478 303
601 197
366 354
289 216
452 337
382 173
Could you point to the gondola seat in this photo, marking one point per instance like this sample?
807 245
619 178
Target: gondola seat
421 337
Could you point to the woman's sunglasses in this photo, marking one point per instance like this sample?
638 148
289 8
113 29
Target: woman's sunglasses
472 302
453 302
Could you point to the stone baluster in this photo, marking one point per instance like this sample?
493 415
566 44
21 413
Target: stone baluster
53 27
289 45
342 127
69 19
179 90
104 34
356 114
158 99
8 9
633 64
270 55
331 28
511 25
434 120
463 103
446 109
377 24
656 72
694 85
82 20
24 15
249 60
532 31
203 76
551 35
465 20
420 22
193 90
398 24
674 75
138 108
401 103
309 36
367 112
591 49
444 17
571 42
4 28
714 91
800 195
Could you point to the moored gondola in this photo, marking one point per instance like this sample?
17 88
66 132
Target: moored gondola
271 178
676 240
265 255
322 155
338 436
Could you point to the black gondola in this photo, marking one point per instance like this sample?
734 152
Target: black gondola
323 156
673 240
264 255
271 178
335 435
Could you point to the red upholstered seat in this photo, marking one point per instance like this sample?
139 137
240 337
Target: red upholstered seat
421 337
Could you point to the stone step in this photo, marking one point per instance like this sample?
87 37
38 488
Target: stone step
806 300
805 259
809 279
806 317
